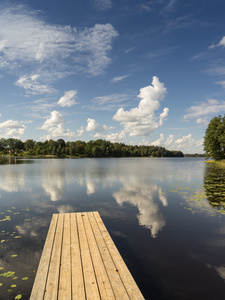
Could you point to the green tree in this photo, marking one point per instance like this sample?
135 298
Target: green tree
214 139
29 145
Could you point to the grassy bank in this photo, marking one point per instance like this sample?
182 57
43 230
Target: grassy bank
220 163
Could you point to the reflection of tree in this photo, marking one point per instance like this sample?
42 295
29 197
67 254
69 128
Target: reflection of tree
142 195
214 185
14 161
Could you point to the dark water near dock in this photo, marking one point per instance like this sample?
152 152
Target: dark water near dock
166 217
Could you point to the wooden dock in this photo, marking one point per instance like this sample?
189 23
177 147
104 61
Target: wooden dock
80 261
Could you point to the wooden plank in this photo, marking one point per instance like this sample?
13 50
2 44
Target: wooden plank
90 282
53 276
42 272
65 266
104 285
112 270
78 292
128 281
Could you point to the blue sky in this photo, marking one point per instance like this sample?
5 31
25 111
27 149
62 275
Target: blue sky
131 71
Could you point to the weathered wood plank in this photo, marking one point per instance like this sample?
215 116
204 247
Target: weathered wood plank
42 272
126 277
90 282
104 285
53 275
65 266
78 292
112 271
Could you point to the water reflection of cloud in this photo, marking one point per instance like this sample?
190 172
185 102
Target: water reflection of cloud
142 196
53 189
62 209
12 181
91 187
53 186
32 227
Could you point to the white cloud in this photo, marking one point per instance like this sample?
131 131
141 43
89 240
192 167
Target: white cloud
103 4
32 86
112 137
2 44
12 129
203 121
186 144
69 99
222 83
92 125
80 131
221 43
160 141
119 78
25 39
54 125
204 109
55 119
189 144
169 140
141 120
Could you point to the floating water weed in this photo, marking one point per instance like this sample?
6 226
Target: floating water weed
8 274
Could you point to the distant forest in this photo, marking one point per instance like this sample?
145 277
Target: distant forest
97 148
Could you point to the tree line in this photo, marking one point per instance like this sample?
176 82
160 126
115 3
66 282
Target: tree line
214 139
97 148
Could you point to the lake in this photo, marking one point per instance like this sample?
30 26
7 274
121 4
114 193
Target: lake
166 217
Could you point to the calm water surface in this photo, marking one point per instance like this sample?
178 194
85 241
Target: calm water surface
166 217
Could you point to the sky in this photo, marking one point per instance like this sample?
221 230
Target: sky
130 71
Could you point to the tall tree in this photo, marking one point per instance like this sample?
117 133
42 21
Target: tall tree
214 139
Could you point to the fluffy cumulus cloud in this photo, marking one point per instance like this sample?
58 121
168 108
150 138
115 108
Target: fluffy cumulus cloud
27 40
188 143
112 137
69 99
160 141
204 109
167 143
12 129
142 120
92 125
55 127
